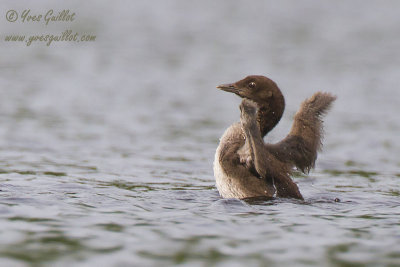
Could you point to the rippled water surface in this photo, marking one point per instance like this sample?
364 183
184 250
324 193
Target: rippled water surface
106 147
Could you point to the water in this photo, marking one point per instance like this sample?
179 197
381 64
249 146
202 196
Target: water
106 147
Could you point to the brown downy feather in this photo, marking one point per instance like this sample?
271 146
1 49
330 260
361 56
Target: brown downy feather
303 142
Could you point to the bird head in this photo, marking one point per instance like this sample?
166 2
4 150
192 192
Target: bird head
255 87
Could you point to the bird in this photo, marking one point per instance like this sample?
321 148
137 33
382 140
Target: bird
246 167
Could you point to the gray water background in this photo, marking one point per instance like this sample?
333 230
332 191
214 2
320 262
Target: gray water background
106 147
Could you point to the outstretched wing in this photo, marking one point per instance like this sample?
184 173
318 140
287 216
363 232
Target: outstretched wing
301 145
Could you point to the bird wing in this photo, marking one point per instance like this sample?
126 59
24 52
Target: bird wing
301 145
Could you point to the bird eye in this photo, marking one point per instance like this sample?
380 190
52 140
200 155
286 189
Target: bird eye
252 85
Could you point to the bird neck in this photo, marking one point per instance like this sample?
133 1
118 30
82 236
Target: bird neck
270 112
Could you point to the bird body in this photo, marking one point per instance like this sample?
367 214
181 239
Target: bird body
245 166
238 182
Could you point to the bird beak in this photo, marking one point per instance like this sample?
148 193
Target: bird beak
229 87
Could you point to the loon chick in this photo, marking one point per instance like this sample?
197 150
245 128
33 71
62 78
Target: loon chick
245 166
